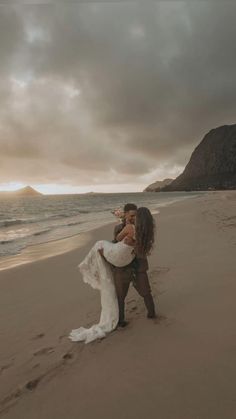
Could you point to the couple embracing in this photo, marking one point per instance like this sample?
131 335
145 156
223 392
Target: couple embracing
110 267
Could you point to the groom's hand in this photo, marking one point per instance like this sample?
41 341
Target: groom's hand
129 240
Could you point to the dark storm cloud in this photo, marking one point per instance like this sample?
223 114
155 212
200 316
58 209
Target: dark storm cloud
98 92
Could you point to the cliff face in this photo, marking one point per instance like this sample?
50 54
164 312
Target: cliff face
212 164
157 186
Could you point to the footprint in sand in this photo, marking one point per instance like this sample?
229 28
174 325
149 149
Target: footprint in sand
161 319
5 367
133 308
68 355
39 336
31 385
131 301
62 337
44 351
9 400
36 366
159 270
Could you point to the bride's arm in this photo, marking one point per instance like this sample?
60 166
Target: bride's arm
128 230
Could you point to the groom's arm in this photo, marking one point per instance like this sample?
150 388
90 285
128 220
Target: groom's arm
118 228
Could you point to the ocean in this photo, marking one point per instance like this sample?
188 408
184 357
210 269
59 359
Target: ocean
28 221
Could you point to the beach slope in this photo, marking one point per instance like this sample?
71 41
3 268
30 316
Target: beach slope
179 366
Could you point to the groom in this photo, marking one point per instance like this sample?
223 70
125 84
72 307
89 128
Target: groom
135 272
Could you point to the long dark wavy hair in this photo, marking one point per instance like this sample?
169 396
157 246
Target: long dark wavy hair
144 231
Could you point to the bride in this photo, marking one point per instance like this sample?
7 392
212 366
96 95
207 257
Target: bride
133 240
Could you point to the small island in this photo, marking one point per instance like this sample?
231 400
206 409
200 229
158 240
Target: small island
26 191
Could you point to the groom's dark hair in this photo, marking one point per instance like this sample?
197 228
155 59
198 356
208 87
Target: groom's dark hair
130 207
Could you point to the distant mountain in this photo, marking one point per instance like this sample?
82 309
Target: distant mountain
158 185
212 164
26 191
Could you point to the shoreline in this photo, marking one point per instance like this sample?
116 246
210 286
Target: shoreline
186 356
36 252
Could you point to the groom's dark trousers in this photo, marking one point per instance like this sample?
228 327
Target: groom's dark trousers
135 272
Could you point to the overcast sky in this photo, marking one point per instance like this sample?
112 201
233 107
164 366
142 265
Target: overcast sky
111 96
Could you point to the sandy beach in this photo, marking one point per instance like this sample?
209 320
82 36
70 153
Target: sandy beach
180 366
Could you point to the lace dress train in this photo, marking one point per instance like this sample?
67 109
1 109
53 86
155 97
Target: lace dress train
98 273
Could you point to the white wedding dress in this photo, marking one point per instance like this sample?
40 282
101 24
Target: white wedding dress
98 273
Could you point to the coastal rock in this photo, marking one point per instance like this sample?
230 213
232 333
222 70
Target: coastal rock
212 164
156 186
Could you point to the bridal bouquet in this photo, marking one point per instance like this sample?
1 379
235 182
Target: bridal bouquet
118 213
